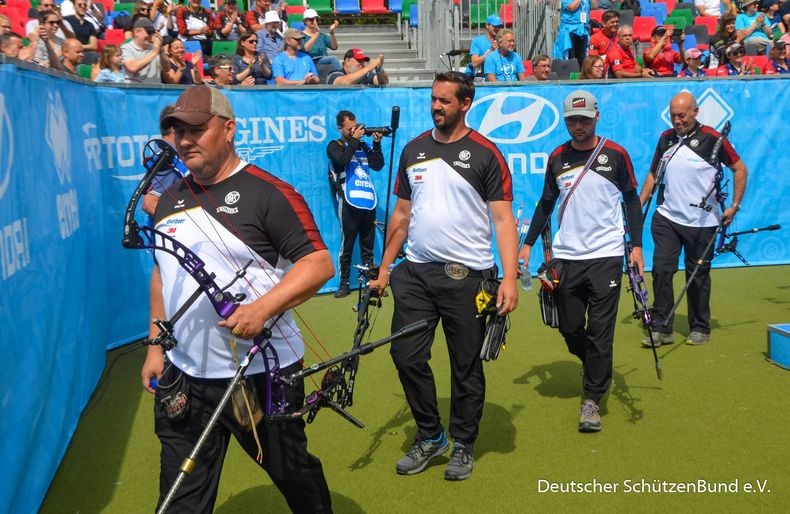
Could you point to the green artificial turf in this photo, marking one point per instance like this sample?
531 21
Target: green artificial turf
720 415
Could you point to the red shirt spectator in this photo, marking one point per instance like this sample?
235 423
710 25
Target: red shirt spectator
230 24
605 39
254 17
621 57
660 57
778 63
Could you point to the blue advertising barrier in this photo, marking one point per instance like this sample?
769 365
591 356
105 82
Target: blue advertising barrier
70 159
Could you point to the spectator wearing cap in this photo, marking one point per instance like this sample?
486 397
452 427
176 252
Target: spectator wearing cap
141 9
541 68
143 55
316 42
713 7
249 66
31 27
504 65
606 38
574 31
778 61
229 24
160 13
692 66
357 68
270 40
736 64
221 69
772 17
194 24
724 37
593 68
485 44
292 66
622 61
660 57
255 18
752 26
84 31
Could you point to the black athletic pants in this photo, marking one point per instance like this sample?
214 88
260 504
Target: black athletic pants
669 239
579 47
355 223
424 291
590 292
297 474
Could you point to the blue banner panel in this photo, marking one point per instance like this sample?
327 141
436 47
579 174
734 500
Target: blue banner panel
70 157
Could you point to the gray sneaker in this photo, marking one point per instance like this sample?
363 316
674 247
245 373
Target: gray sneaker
697 338
589 418
462 461
421 453
659 338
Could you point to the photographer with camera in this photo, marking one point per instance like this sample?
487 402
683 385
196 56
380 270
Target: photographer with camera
359 69
350 161
660 57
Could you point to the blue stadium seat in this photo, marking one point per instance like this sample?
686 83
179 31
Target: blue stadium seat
413 15
206 4
396 5
190 47
347 6
657 10
298 25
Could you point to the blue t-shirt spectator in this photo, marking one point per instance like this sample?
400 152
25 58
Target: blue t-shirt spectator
107 75
505 69
480 45
744 21
293 69
319 48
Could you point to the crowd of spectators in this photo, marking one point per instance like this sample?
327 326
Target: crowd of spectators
163 42
607 49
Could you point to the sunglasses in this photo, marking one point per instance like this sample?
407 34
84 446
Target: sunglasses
226 68
50 23
311 19
252 41
739 53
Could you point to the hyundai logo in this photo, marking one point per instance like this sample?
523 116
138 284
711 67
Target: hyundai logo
512 118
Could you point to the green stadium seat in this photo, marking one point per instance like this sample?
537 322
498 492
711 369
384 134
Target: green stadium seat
224 47
84 71
321 6
575 75
124 6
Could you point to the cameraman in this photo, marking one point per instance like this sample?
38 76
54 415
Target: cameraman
350 162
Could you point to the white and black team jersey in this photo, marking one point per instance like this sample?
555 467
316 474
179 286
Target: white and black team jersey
690 175
449 186
591 225
250 215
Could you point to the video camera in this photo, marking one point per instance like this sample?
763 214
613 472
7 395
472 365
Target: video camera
384 131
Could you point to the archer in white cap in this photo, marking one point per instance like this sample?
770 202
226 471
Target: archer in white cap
589 177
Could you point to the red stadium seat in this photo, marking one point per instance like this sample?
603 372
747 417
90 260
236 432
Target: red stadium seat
759 61
115 36
711 72
597 15
374 7
108 5
670 4
295 9
710 22
506 13
22 5
17 15
528 67
643 26
199 65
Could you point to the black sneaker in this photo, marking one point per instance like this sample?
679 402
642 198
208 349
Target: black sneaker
421 453
343 291
589 417
461 462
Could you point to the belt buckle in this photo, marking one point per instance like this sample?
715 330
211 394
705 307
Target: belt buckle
456 270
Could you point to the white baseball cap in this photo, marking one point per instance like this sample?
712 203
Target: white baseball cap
310 14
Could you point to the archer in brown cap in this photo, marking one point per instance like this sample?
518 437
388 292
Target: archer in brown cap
228 211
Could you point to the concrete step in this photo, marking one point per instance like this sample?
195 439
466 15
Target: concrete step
373 36
393 64
345 28
388 54
410 75
371 44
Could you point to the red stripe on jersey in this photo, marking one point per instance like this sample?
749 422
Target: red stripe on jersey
617 148
296 201
507 183
729 150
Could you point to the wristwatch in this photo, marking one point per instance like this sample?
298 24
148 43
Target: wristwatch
736 206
